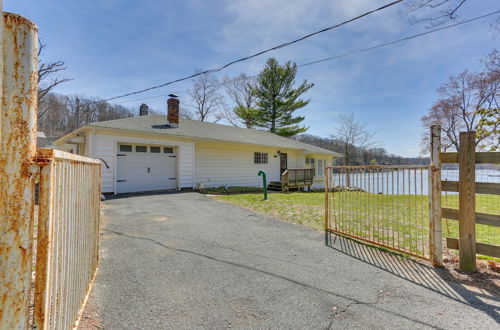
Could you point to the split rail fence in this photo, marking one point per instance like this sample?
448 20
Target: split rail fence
66 233
400 207
469 190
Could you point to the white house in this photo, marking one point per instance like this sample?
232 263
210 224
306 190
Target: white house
158 152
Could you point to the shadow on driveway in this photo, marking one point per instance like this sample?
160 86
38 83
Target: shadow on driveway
439 280
184 261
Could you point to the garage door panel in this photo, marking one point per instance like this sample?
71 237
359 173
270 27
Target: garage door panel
145 171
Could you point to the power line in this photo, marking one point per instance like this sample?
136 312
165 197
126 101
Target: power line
397 41
354 52
283 45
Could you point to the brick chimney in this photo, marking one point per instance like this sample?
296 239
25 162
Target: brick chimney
173 111
143 110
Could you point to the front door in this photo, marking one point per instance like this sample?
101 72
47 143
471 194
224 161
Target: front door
283 163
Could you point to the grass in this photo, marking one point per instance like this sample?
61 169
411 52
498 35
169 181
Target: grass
409 229
301 208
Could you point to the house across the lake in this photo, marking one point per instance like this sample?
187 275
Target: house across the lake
158 152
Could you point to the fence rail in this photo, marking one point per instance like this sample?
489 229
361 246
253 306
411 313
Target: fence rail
383 205
466 215
401 208
68 236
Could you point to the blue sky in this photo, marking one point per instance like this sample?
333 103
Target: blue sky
116 46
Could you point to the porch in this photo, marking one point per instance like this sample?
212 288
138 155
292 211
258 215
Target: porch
294 179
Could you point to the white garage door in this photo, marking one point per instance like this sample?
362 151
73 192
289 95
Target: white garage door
145 168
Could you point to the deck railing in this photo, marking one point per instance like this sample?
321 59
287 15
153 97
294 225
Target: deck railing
68 236
296 178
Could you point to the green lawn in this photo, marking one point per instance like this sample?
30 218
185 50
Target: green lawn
393 220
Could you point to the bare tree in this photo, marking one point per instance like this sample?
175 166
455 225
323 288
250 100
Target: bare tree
207 101
48 79
467 102
61 118
437 12
239 90
365 155
353 137
492 62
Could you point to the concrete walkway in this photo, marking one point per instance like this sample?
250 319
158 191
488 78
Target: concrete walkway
185 261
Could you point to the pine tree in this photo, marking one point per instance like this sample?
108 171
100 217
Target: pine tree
277 99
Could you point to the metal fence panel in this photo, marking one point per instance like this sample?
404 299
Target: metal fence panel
68 236
383 205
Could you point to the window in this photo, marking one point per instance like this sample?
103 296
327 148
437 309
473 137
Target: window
125 148
260 158
312 164
320 168
168 150
155 150
141 149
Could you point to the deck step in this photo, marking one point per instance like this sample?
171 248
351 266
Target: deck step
274 185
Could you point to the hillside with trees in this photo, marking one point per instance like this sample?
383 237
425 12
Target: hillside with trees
60 114
360 155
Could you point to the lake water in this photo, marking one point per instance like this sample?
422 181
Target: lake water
414 182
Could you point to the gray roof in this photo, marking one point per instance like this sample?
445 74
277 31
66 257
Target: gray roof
44 142
157 124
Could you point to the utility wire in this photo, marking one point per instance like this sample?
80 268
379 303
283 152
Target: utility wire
286 44
397 41
354 52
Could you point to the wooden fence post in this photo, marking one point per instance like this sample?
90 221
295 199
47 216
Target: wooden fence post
467 201
327 214
435 239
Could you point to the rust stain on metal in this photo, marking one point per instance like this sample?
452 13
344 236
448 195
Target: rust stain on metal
17 151
68 227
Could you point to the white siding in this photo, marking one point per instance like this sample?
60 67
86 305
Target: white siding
209 163
104 146
319 180
220 164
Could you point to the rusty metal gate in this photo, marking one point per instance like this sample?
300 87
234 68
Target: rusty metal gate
384 205
68 236
68 224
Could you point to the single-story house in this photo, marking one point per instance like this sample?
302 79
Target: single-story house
158 152
42 141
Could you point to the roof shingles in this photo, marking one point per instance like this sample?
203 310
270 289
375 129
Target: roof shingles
157 124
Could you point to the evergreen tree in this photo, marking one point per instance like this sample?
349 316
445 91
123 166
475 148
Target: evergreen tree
247 115
277 99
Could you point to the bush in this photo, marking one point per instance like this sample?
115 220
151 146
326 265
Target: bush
223 190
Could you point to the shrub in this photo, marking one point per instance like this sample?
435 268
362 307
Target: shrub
223 190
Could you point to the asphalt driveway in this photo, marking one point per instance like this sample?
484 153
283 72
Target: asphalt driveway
185 261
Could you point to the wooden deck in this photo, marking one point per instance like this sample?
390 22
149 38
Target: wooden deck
293 179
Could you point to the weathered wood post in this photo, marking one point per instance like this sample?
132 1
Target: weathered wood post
17 153
327 186
435 239
467 201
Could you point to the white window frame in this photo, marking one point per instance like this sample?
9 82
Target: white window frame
260 158
320 168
